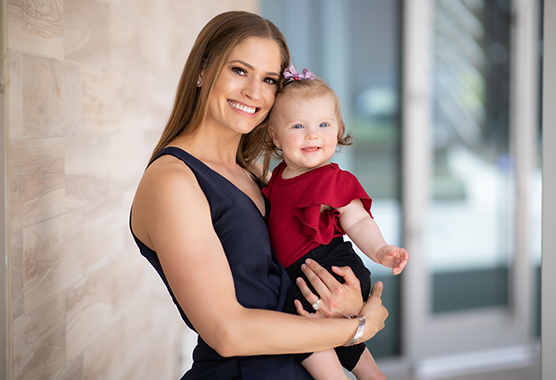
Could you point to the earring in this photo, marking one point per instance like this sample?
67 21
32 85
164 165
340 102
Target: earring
198 83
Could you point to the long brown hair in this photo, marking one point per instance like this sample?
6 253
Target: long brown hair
214 43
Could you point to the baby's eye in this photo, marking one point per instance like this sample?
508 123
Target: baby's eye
238 70
297 126
323 125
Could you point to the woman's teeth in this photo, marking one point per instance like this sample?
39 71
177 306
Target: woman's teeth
241 107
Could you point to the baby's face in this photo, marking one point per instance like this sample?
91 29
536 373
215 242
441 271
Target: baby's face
306 130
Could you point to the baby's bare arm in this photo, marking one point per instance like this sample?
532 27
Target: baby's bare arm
364 232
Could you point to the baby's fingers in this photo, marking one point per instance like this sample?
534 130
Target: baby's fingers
401 261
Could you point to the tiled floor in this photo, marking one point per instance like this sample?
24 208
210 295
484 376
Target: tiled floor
524 373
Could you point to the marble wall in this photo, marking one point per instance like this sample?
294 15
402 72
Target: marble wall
90 86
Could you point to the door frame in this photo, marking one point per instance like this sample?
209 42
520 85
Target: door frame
548 266
5 314
434 345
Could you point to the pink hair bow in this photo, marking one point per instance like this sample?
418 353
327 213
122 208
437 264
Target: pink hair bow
291 73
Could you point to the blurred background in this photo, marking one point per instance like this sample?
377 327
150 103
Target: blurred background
442 98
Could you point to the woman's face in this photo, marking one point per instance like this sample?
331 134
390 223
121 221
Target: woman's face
245 89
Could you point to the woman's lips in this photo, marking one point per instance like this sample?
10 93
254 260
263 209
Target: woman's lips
243 107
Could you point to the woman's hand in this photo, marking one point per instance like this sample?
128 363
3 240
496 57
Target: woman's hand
375 313
336 300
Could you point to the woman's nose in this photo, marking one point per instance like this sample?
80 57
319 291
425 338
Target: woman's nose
252 89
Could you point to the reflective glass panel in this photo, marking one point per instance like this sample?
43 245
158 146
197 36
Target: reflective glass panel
470 222
355 45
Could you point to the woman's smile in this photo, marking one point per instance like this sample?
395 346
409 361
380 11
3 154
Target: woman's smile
243 107
245 89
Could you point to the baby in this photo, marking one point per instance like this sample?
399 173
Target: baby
314 203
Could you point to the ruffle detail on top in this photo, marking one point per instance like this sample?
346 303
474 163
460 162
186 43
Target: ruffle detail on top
336 189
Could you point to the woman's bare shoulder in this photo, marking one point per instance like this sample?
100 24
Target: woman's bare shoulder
168 186
167 177
165 168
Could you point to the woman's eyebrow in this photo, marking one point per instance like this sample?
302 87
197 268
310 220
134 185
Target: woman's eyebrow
250 67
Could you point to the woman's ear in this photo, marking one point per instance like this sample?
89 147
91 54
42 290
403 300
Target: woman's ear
200 78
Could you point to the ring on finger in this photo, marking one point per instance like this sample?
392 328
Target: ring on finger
316 305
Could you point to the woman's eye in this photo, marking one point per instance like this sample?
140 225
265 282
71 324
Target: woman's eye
238 70
323 125
271 81
297 126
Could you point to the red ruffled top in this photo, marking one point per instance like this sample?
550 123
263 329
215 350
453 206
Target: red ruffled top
295 223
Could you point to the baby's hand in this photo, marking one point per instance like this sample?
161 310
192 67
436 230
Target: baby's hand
393 257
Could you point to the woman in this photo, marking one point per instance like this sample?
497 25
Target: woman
198 217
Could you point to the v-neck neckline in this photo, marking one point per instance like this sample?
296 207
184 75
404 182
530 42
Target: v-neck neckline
263 214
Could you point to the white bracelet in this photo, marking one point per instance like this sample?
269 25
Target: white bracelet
359 331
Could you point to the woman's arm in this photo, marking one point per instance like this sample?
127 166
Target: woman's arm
364 232
171 215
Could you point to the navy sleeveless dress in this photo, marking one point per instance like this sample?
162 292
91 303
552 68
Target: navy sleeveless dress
260 280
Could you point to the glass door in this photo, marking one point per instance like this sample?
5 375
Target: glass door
440 96
468 232
470 122
354 45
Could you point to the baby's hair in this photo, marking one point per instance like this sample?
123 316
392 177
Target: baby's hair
305 89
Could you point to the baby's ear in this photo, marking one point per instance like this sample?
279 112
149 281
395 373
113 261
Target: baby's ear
271 131
272 134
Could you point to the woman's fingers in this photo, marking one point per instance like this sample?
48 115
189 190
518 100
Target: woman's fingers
337 299
376 291
307 293
331 303
350 291
324 308
319 277
374 311
348 275
301 311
